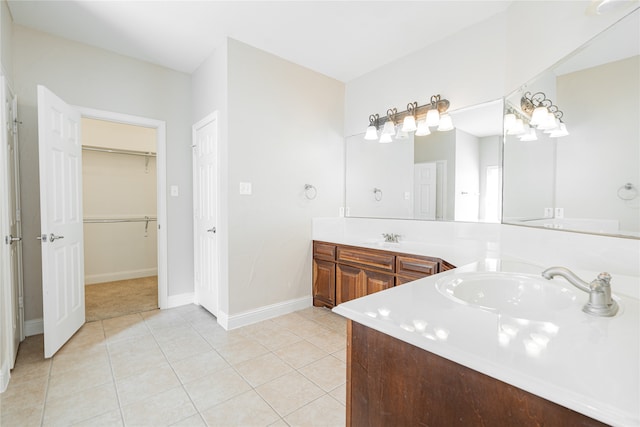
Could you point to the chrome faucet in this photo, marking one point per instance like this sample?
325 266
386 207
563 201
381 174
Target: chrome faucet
600 301
391 238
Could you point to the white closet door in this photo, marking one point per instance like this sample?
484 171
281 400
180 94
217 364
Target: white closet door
61 219
205 212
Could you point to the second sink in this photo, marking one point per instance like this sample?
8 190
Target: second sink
514 294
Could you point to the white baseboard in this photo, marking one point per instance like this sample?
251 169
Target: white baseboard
263 313
180 299
4 376
92 279
33 327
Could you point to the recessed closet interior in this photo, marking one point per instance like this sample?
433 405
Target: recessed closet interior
119 208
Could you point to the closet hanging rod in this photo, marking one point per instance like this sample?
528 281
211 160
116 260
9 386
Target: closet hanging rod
110 220
119 151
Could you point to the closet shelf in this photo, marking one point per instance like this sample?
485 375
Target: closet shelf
119 151
110 220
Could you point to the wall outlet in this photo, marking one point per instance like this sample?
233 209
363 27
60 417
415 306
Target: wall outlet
245 188
407 195
341 211
174 191
559 213
548 212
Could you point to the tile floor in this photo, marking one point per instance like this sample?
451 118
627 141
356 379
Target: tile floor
178 367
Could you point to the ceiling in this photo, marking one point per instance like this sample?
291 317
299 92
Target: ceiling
341 39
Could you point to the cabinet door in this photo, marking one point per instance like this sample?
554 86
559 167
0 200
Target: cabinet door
348 283
324 283
375 282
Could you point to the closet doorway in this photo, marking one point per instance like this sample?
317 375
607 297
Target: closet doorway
120 199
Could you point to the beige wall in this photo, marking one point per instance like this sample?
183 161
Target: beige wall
95 78
6 38
280 128
285 131
614 145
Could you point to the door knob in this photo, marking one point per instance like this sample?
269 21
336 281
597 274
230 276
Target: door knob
10 239
53 237
211 230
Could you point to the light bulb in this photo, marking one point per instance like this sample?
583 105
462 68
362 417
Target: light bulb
409 124
560 132
385 138
433 117
509 121
423 129
445 123
517 129
538 116
371 134
529 136
389 128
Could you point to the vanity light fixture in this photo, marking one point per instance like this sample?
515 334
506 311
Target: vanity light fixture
536 112
415 119
372 130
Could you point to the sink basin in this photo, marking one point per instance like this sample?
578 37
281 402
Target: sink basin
513 294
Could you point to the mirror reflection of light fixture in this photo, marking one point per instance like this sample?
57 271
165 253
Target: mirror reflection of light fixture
423 129
385 138
509 121
445 123
540 113
414 119
372 130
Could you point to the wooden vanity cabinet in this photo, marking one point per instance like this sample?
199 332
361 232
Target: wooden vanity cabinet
393 383
342 273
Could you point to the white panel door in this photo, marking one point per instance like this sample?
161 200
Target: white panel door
205 209
61 219
15 230
424 182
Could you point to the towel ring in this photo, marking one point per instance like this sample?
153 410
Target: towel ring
310 192
377 194
627 192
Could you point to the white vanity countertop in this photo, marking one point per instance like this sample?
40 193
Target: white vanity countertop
585 363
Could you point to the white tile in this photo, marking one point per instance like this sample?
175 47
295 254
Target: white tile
247 409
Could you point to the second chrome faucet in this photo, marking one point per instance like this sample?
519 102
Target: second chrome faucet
600 301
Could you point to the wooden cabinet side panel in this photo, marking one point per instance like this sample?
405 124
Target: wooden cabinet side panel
324 283
394 383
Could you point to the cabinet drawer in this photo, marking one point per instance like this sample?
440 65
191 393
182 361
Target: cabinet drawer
369 258
324 251
416 267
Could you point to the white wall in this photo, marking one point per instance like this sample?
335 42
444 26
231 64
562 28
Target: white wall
285 126
615 145
490 155
95 78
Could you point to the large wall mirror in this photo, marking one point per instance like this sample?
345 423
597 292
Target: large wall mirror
455 175
588 180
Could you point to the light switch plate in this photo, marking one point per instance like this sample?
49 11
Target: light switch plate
559 213
245 188
174 191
